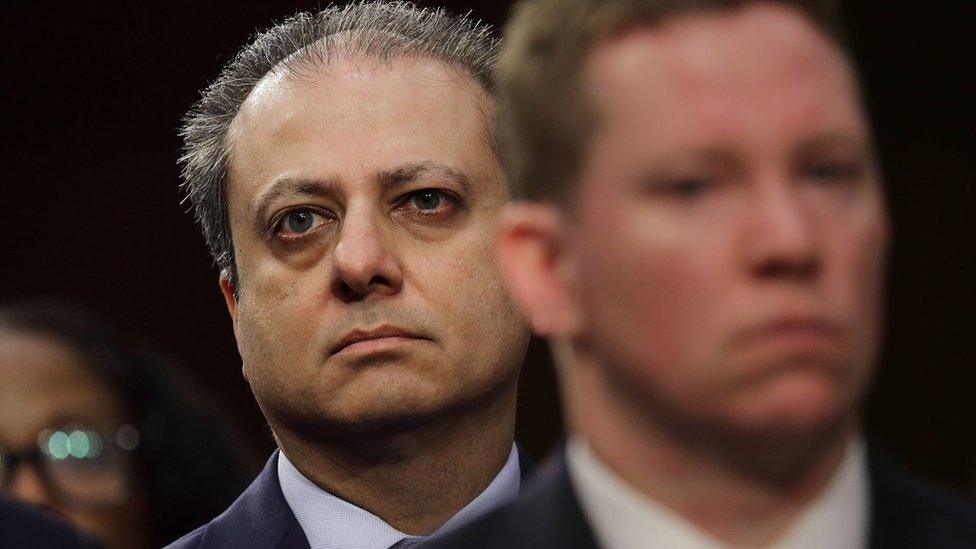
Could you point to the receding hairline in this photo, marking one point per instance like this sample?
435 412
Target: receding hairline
383 28
282 74
313 67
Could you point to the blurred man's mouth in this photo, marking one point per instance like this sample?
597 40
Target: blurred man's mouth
794 331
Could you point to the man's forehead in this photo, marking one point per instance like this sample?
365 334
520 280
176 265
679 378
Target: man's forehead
729 44
354 74
354 117
422 96
715 71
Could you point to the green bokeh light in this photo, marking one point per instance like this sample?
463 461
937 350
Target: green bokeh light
57 445
95 441
78 445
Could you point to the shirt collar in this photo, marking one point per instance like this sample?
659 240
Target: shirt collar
329 522
623 517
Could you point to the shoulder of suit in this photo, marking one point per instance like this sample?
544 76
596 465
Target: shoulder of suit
547 514
904 509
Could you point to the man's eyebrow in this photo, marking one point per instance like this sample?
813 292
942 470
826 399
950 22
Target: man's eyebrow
289 186
719 157
834 139
408 173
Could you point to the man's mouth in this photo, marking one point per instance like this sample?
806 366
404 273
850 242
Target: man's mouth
374 339
797 329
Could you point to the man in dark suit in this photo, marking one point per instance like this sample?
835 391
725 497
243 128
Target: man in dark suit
343 169
24 527
703 240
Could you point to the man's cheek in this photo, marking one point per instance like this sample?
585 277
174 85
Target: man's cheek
857 273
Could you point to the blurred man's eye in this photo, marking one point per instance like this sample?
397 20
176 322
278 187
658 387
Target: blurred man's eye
681 188
833 172
689 188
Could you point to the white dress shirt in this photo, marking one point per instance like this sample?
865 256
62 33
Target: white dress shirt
623 518
330 522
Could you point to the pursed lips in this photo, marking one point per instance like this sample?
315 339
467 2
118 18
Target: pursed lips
809 328
379 334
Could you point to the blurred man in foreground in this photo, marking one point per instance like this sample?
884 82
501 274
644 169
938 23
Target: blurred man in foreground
703 239
344 172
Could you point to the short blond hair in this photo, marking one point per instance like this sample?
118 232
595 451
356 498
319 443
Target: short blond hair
544 114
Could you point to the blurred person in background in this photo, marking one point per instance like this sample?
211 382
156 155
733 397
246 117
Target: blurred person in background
97 430
344 172
703 239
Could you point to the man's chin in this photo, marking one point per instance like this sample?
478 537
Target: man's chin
391 417
375 409
790 406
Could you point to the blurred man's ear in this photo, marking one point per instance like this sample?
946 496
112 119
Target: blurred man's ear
229 291
533 259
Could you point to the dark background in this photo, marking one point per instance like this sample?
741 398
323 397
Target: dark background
93 93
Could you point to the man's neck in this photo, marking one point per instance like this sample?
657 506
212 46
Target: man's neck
416 478
737 498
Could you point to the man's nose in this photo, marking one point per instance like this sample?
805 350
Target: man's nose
26 485
782 241
364 261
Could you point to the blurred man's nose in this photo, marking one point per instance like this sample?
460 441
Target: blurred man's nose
781 241
364 262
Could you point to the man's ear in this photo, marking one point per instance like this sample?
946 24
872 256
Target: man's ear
533 258
230 298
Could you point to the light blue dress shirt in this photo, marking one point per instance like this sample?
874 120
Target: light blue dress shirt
330 522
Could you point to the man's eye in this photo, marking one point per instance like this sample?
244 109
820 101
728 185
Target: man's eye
832 172
298 222
429 201
687 188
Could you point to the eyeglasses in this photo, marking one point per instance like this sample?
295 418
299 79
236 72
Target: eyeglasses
81 466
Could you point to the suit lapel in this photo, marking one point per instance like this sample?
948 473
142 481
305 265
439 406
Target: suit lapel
547 514
570 525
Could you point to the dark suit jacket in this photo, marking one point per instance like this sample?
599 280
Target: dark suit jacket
904 514
261 518
23 527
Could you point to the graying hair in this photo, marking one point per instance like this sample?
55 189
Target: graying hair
376 29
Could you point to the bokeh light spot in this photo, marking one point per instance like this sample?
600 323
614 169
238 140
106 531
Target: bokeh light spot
57 445
127 438
78 445
95 443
